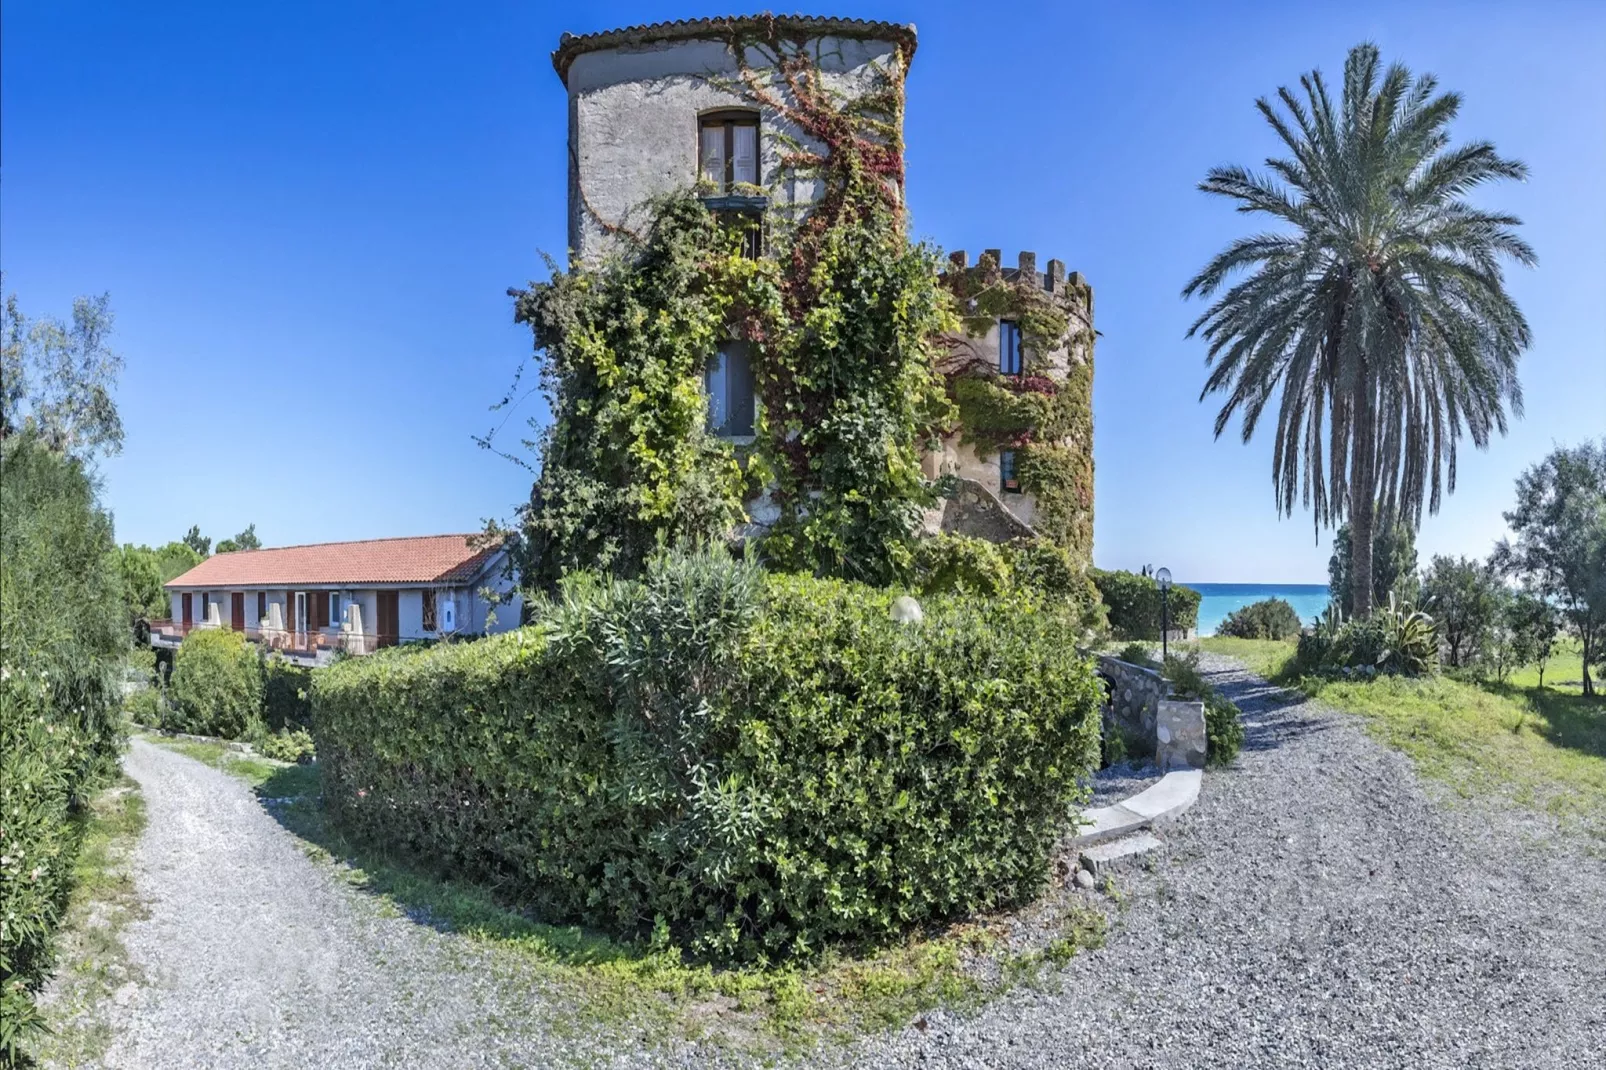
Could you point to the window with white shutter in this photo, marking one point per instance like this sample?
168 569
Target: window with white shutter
727 149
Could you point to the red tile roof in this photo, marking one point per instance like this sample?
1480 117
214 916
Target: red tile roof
426 559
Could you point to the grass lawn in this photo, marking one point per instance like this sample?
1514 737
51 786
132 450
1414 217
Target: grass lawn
1544 748
762 1009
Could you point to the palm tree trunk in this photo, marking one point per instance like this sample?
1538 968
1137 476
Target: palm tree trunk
1362 504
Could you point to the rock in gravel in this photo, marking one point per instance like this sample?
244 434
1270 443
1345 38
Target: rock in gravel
1084 879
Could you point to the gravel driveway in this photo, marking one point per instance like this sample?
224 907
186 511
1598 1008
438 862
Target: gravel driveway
1318 907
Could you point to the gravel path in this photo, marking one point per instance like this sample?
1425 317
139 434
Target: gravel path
1319 907
257 956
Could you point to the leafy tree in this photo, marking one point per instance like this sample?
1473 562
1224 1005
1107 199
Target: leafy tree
1464 597
1559 525
1379 317
1533 624
175 559
56 379
1393 564
141 572
245 540
201 544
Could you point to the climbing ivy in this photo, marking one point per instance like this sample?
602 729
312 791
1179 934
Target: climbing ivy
842 320
1048 421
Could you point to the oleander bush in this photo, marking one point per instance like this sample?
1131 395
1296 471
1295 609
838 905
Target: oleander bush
1269 618
754 765
1133 604
217 685
63 638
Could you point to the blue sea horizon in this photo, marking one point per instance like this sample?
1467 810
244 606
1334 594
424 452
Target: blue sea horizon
1219 599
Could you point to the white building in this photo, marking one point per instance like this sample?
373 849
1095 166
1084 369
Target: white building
311 601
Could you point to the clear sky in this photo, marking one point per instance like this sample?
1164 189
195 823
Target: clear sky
307 215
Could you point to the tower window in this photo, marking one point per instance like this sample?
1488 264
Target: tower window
1009 349
729 384
728 150
1008 481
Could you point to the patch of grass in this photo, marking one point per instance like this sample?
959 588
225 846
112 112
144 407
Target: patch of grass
1268 658
1564 671
252 768
92 961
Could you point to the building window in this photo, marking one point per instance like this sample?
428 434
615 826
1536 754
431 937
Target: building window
429 611
334 609
262 604
729 384
728 149
1007 479
1009 351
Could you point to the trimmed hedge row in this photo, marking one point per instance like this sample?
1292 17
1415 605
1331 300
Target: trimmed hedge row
1133 604
63 638
749 764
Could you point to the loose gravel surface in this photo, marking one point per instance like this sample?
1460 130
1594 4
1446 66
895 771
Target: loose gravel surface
1319 906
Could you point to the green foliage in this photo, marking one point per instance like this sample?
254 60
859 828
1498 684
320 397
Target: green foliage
200 545
1533 625
1133 604
63 637
1224 730
217 685
245 540
56 379
146 706
141 573
754 765
1393 563
1464 597
176 558
1270 618
1358 309
285 745
1560 550
1396 640
286 694
950 563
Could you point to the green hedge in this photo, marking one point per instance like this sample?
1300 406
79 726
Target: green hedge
286 694
1133 604
63 638
753 765
217 685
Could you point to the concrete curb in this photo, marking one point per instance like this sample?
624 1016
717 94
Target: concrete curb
1165 801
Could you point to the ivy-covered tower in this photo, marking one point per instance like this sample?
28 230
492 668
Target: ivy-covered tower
1020 372
707 102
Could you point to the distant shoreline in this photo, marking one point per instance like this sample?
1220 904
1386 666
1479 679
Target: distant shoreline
1219 599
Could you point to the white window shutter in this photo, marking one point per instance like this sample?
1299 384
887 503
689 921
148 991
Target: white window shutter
714 155
746 154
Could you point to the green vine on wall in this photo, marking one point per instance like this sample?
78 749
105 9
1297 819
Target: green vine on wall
1047 419
842 321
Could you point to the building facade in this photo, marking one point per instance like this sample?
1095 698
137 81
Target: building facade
707 104
356 597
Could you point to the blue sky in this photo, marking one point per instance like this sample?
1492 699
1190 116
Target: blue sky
307 216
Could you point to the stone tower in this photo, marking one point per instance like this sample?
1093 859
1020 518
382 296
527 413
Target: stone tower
659 108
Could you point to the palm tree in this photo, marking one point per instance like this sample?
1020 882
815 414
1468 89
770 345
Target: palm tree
1379 314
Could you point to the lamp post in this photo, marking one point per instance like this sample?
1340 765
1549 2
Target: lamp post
1163 578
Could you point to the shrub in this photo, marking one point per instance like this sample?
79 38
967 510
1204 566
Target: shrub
948 563
1270 618
217 685
1137 654
1224 730
1133 604
286 694
145 706
757 764
285 745
63 637
1398 640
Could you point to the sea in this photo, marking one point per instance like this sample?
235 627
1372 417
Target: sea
1218 599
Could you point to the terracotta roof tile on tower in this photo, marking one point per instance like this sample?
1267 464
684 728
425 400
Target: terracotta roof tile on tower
571 45
437 559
